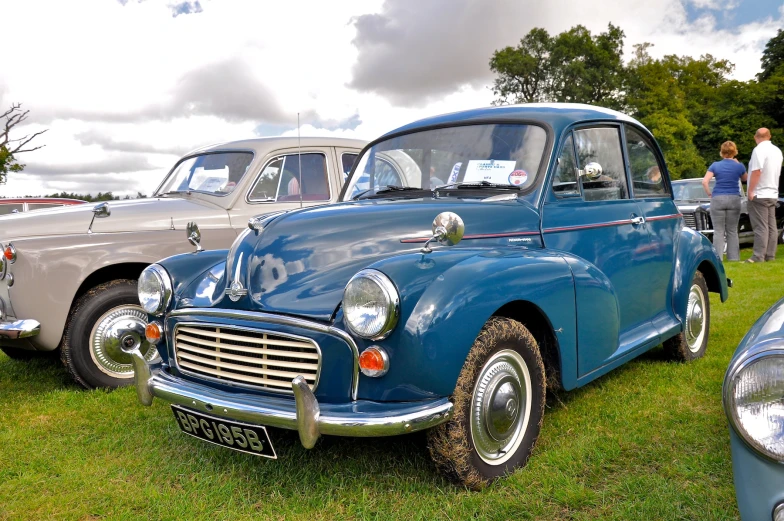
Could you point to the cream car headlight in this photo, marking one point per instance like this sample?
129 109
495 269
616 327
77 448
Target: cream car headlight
371 305
155 289
754 400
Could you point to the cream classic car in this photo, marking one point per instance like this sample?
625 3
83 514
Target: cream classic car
68 275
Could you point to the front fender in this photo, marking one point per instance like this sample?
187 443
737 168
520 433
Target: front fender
198 279
446 298
695 252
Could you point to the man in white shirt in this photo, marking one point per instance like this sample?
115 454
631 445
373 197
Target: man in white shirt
763 192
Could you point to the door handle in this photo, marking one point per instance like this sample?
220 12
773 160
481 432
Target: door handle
638 220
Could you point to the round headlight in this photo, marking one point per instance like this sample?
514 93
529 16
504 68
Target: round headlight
154 290
370 305
755 403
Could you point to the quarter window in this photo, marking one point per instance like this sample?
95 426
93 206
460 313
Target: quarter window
280 180
565 180
347 162
599 158
646 171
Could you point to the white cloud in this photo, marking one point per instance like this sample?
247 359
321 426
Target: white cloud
125 87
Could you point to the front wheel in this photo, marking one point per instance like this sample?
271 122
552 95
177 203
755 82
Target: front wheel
498 407
691 343
90 348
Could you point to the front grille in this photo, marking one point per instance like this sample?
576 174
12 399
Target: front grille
246 357
688 220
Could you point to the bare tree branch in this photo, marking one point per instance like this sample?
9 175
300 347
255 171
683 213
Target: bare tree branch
8 147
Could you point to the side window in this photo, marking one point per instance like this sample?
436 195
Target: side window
645 169
565 179
10 208
280 179
599 158
41 206
347 162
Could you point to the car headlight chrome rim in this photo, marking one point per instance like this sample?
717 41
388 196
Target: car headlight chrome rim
754 400
371 305
155 289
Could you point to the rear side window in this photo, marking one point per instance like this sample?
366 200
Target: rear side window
647 180
347 162
600 161
10 208
41 206
280 180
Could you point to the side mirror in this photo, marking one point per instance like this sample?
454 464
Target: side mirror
194 235
592 171
102 210
448 229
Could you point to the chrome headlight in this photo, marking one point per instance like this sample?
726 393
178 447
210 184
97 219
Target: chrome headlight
754 402
155 289
371 305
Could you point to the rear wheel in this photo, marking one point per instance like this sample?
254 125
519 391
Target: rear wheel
691 343
499 405
90 348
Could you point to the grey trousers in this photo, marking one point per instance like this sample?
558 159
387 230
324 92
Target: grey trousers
762 213
725 214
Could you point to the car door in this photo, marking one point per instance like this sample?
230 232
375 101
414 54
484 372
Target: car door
662 222
589 214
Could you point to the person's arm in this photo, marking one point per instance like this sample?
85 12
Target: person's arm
753 180
706 182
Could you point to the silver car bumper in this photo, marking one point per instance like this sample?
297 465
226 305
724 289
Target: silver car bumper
19 329
304 414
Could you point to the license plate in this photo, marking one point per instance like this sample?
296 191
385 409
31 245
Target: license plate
252 439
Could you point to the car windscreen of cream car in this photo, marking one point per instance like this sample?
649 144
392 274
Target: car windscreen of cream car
68 279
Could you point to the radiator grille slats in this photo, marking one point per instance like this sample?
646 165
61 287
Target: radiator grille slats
688 220
245 357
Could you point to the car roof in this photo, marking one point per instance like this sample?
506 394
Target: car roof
557 115
263 144
50 200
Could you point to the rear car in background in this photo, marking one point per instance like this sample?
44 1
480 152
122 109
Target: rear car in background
754 404
27 204
694 204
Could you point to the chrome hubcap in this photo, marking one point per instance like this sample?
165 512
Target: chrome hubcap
501 407
695 319
118 328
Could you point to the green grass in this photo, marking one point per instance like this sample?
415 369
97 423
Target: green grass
647 441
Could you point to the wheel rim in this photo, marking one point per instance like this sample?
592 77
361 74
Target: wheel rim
105 340
695 319
501 407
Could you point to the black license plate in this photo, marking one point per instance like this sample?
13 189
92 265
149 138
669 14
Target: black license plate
252 439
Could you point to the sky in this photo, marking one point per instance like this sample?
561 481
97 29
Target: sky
126 87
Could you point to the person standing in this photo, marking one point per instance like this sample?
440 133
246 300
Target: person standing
765 168
725 199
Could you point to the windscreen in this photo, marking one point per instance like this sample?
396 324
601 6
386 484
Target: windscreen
505 155
690 190
213 174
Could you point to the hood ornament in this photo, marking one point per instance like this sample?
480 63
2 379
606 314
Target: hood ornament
194 235
448 229
236 290
100 211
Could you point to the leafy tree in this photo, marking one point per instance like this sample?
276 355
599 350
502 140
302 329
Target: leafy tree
772 56
574 66
9 148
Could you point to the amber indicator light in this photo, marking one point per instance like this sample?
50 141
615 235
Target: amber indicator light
153 332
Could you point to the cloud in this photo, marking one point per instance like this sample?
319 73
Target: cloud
106 142
185 8
117 164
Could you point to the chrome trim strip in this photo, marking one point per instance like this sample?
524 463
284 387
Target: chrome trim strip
587 226
772 347
663 217
19 329
258 316
475 236
303 414
284 386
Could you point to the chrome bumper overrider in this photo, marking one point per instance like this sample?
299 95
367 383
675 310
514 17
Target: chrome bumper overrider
305 415
19 329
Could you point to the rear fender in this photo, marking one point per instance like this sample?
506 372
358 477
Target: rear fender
695 252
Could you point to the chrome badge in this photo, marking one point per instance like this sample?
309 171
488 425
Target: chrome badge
236 290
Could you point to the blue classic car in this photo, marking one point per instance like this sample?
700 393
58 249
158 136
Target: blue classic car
754 403
476 259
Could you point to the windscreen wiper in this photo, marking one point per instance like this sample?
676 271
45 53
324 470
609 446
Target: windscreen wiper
387 188
479 184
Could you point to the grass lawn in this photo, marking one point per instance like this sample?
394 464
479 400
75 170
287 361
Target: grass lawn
647 441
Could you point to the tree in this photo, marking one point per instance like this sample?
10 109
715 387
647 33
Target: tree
9 148
573 66
772 56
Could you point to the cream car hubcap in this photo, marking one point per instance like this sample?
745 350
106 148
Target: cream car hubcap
501 407
118 327
695 319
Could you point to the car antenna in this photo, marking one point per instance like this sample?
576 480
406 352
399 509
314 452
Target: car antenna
299 157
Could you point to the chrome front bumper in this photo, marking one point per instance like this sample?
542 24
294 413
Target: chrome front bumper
19 329
305 415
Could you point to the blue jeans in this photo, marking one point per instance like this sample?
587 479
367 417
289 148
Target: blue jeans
725 214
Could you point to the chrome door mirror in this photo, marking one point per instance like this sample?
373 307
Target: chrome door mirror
448 229
194 235
592 171
102 210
